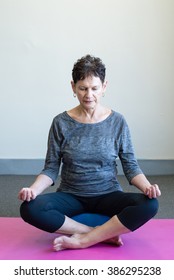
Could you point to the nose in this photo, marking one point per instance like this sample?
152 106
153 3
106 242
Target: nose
88 92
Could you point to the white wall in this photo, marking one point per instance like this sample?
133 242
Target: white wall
41 39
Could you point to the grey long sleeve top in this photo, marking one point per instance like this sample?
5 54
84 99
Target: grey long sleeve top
87 154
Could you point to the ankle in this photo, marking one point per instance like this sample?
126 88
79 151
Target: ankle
83 240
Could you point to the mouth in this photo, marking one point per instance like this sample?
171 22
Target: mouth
88 101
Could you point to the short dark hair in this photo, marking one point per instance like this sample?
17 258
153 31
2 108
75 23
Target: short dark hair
88 66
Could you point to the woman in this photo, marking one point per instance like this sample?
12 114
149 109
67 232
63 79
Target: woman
86 140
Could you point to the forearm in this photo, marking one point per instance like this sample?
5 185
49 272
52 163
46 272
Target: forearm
141 182
41 183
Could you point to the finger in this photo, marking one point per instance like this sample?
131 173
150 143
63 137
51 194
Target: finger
154 192
147 192
23 195
150 192
158 192
33 196
28 197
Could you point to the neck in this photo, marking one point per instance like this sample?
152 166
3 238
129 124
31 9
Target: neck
92 114
95 115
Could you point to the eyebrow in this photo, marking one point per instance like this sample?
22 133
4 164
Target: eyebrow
94 86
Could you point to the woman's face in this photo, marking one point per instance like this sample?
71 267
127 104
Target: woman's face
89 91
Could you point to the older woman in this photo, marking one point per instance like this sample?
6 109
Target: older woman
87 140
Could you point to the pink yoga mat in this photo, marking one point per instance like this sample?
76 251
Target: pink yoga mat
20 241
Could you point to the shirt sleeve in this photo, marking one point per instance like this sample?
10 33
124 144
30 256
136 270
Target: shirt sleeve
126 154
53 158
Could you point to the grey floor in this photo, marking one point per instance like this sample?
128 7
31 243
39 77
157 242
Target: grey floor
10 186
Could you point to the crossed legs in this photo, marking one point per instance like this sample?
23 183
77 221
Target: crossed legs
109 232
53 212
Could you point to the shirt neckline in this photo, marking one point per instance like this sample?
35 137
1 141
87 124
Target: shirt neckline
97 123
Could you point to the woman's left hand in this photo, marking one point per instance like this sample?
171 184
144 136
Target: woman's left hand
153 191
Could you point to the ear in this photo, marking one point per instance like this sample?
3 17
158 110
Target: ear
105 85
73 86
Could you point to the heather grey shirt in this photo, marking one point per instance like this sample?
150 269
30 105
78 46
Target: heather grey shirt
88 154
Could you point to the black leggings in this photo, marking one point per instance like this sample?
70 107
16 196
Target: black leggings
47 211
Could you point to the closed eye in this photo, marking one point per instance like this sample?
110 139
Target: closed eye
82 88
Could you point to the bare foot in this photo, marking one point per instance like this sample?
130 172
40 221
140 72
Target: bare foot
117 241
65 242
76 241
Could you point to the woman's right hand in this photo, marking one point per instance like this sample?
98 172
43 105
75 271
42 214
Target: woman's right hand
41 183
27 194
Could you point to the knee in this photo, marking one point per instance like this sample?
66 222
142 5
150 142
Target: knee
30 210
153 206
26 210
